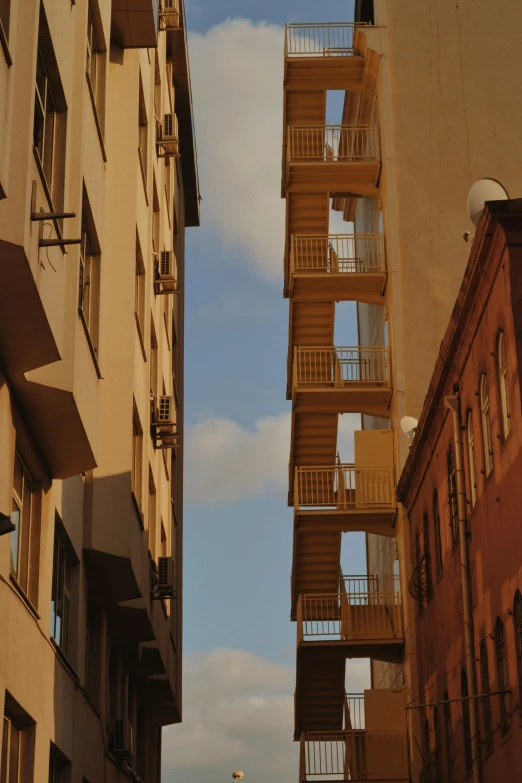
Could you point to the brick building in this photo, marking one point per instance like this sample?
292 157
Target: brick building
462 491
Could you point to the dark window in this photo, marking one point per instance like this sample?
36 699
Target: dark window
61 603
448 739
486 700
89 281
517 622
57 766
502 674
437 751
16 743
436 530
5 16
25 538
364 11
486 425
466 721
418 565
452 500
427 555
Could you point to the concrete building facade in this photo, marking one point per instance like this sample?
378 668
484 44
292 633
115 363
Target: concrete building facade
428 112
461 491
98 181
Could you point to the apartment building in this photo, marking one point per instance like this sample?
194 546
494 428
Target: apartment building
460 488
428 112
98 181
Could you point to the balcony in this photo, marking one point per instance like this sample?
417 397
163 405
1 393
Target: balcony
134 23
360 622
340 159
340 267
368 755
345 498
169 15
323 57
341 380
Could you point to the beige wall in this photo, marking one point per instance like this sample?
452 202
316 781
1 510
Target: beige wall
67 392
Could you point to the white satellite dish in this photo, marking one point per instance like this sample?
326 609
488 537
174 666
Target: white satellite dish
238 775
409 426
483 190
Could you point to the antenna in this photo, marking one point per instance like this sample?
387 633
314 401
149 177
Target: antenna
483 190
409 426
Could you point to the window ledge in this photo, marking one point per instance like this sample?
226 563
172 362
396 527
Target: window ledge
67 665
96 118
90 344
137 510
21 592
140 335
5 46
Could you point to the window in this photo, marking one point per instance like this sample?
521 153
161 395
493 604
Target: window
466 722
137 457
89 281
25 515
139 292
92 652
153 363
152 515
5 17
502 674
486 700
168 186
471 459
448 739
505 415
517 622
486 426
95 62
49 120
57 765
143 134
61 595
427 555
437 751
452 500
16 743
418 565
436 530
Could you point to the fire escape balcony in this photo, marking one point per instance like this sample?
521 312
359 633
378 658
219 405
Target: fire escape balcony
364 754
357 621
340 159
341 380
340 267
324 57
345 498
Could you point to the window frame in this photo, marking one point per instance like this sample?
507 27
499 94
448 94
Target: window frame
487 443
452 498
427 554
470 441
502 675
62 595
437 533
7 772
44 141
486 699
502 386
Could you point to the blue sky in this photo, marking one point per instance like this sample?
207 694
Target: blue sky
238 528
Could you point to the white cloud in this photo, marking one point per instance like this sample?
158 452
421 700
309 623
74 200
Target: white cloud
237 78
237 714
226 462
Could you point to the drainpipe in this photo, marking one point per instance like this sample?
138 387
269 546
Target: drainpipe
453 403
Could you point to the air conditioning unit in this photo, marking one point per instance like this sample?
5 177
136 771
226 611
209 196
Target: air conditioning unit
164 412
166 279
169 15
122 739
165 585
169 136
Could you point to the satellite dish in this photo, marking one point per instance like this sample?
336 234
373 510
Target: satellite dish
409 426
483 190
238 775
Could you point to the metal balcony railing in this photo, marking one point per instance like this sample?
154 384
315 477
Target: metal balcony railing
354 711
353 755
349 616
343 486
319 40
332 143
339 366
337 253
